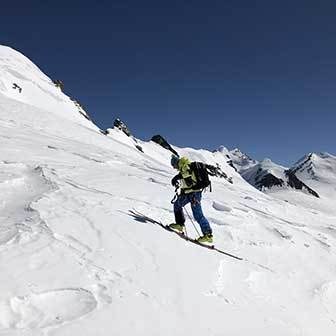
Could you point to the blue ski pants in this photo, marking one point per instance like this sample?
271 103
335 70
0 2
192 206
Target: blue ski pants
195 199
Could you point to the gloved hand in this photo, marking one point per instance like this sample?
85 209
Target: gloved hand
175 180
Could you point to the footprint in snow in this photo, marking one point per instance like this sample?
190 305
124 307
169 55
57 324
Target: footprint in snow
46 309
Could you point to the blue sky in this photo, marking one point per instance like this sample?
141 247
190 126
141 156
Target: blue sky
258 75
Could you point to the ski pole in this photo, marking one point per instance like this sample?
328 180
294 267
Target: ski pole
192 221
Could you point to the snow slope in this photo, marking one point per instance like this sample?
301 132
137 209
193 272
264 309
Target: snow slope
74 261
36 88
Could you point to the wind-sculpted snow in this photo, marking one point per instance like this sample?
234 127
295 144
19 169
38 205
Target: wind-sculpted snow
46 309
20 186
74 262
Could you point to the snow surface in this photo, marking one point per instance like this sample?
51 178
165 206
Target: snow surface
75 262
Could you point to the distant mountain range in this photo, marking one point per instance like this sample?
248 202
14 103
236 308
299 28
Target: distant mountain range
314 174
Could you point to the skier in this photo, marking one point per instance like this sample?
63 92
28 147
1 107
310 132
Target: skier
188 195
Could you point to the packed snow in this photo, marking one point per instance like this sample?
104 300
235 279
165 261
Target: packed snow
74 261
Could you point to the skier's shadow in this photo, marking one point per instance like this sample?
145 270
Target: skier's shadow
140 217
137 217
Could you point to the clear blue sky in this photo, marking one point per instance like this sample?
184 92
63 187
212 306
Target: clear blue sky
258 75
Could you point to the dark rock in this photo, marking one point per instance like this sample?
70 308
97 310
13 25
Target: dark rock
230 163
269 181
294 182
81 109
122 126
58 83
138 147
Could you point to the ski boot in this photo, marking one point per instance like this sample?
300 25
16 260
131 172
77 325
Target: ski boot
206 239
179 228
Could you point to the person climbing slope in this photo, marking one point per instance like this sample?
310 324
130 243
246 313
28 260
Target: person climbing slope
191 192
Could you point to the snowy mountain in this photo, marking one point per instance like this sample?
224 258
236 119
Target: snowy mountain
241 160
74 261
267 175
318 170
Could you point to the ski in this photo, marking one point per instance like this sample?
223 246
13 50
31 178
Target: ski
143 218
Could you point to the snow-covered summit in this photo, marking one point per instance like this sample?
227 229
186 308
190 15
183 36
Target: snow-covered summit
22 81
241 160
222 149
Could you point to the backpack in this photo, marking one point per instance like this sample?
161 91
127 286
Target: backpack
201 174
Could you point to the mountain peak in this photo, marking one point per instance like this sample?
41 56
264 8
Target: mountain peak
21 80
222 149
240 160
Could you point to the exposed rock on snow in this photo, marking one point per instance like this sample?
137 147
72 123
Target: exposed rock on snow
121 127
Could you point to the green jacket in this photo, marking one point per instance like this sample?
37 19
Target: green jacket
186 176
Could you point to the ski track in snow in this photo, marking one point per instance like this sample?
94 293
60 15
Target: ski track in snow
73 262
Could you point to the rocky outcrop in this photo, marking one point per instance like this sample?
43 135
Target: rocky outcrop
58 83
122 126
81 109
